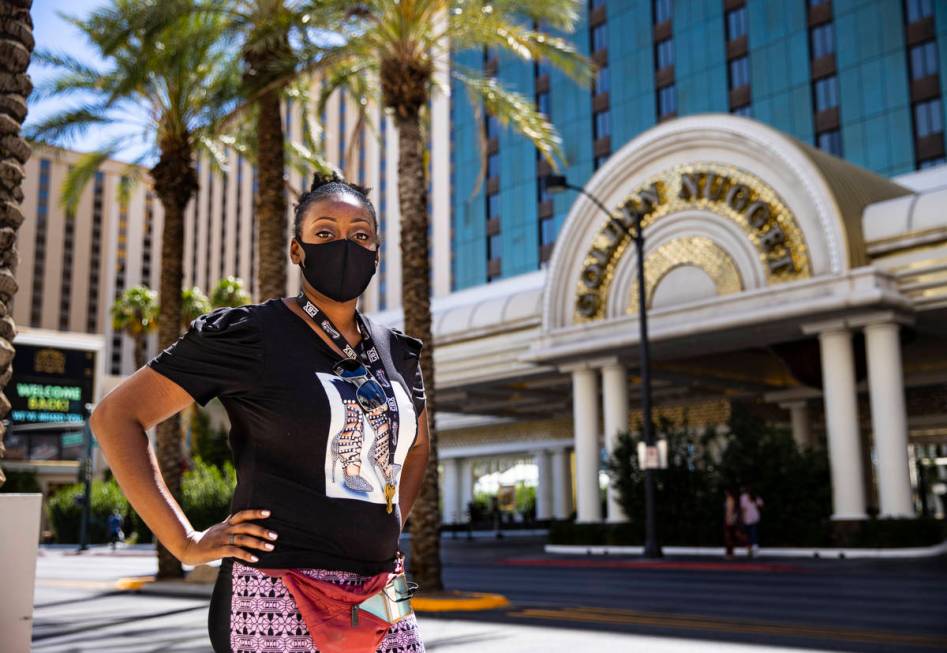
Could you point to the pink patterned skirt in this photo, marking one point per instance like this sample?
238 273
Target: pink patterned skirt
251 612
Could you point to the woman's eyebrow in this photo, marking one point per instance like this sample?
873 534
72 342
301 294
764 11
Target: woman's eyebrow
334 219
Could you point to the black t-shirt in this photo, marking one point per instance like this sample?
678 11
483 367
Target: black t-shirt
302 447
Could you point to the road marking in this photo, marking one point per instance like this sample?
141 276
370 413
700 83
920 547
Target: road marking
694 622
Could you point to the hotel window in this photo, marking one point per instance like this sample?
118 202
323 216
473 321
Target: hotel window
664 52
601 83
238 209
918 10
39 256
830 141
926 94
924 60
738 62
826 93
95 251
601 102
736 23
823 73
662 11
342 130
209 221
223 223
544 206
662 39
823 40
69 241
667 101
491 127
739 72
928 118
148 240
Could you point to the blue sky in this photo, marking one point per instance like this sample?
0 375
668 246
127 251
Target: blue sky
53 33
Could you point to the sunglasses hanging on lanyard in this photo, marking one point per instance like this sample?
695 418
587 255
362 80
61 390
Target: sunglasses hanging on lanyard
367 373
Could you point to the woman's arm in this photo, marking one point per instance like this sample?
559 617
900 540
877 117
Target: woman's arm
119 422
414 466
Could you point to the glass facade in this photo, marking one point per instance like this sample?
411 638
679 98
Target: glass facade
860 79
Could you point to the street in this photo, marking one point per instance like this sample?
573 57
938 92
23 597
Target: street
558 604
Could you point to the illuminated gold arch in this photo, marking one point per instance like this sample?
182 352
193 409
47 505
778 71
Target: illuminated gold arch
727 191
697 251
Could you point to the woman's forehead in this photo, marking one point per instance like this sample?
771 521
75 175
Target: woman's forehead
338 207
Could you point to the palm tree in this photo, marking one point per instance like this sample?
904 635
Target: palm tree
229 292
180 85
194 303
400 44
16 44
136 313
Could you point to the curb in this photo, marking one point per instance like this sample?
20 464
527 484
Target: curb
459 602
784 552
148 585
462 602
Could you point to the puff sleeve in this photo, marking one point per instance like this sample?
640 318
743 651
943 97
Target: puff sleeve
411 370
221 354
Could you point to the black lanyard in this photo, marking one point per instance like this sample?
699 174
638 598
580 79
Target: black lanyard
369 356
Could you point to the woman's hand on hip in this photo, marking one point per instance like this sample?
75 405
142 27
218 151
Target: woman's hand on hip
230 538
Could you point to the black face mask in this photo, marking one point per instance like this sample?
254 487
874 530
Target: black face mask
340 269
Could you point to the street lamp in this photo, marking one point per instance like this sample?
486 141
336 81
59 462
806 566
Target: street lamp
556 184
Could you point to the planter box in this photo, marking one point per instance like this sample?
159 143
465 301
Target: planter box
19 519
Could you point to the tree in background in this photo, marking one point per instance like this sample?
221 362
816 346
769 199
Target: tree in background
181 83
16 44
229 292
690 492
136 314
194 303
395 49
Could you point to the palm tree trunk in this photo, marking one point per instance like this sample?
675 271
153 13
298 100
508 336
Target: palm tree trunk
416 300
271 198
140 351
16 46
175 184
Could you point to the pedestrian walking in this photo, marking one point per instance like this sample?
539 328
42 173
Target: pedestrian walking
731 520
114 528
329 437
751 506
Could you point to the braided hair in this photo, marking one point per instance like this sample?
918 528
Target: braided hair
323 186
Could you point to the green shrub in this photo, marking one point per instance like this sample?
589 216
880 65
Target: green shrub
64 510
689 494
208 443
207 491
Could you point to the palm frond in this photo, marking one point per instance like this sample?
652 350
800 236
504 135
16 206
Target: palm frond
513 108
68 124
81 173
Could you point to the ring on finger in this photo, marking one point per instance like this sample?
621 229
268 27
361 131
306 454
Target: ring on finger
231 540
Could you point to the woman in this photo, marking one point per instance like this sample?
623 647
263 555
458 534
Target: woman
328 431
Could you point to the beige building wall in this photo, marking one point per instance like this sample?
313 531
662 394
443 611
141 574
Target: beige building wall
78 286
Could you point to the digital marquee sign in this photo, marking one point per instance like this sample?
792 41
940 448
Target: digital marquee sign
50 384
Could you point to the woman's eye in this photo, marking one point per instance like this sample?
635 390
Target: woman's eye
361 236
322 233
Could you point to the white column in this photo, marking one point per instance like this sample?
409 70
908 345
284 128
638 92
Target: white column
615 409
841 420
466 486
585 418
450 491
801 426
889 419
544 490
561 484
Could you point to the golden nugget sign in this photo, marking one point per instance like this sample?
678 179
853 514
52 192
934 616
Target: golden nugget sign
728 192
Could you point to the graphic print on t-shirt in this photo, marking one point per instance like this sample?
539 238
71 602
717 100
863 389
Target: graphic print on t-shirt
354 450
